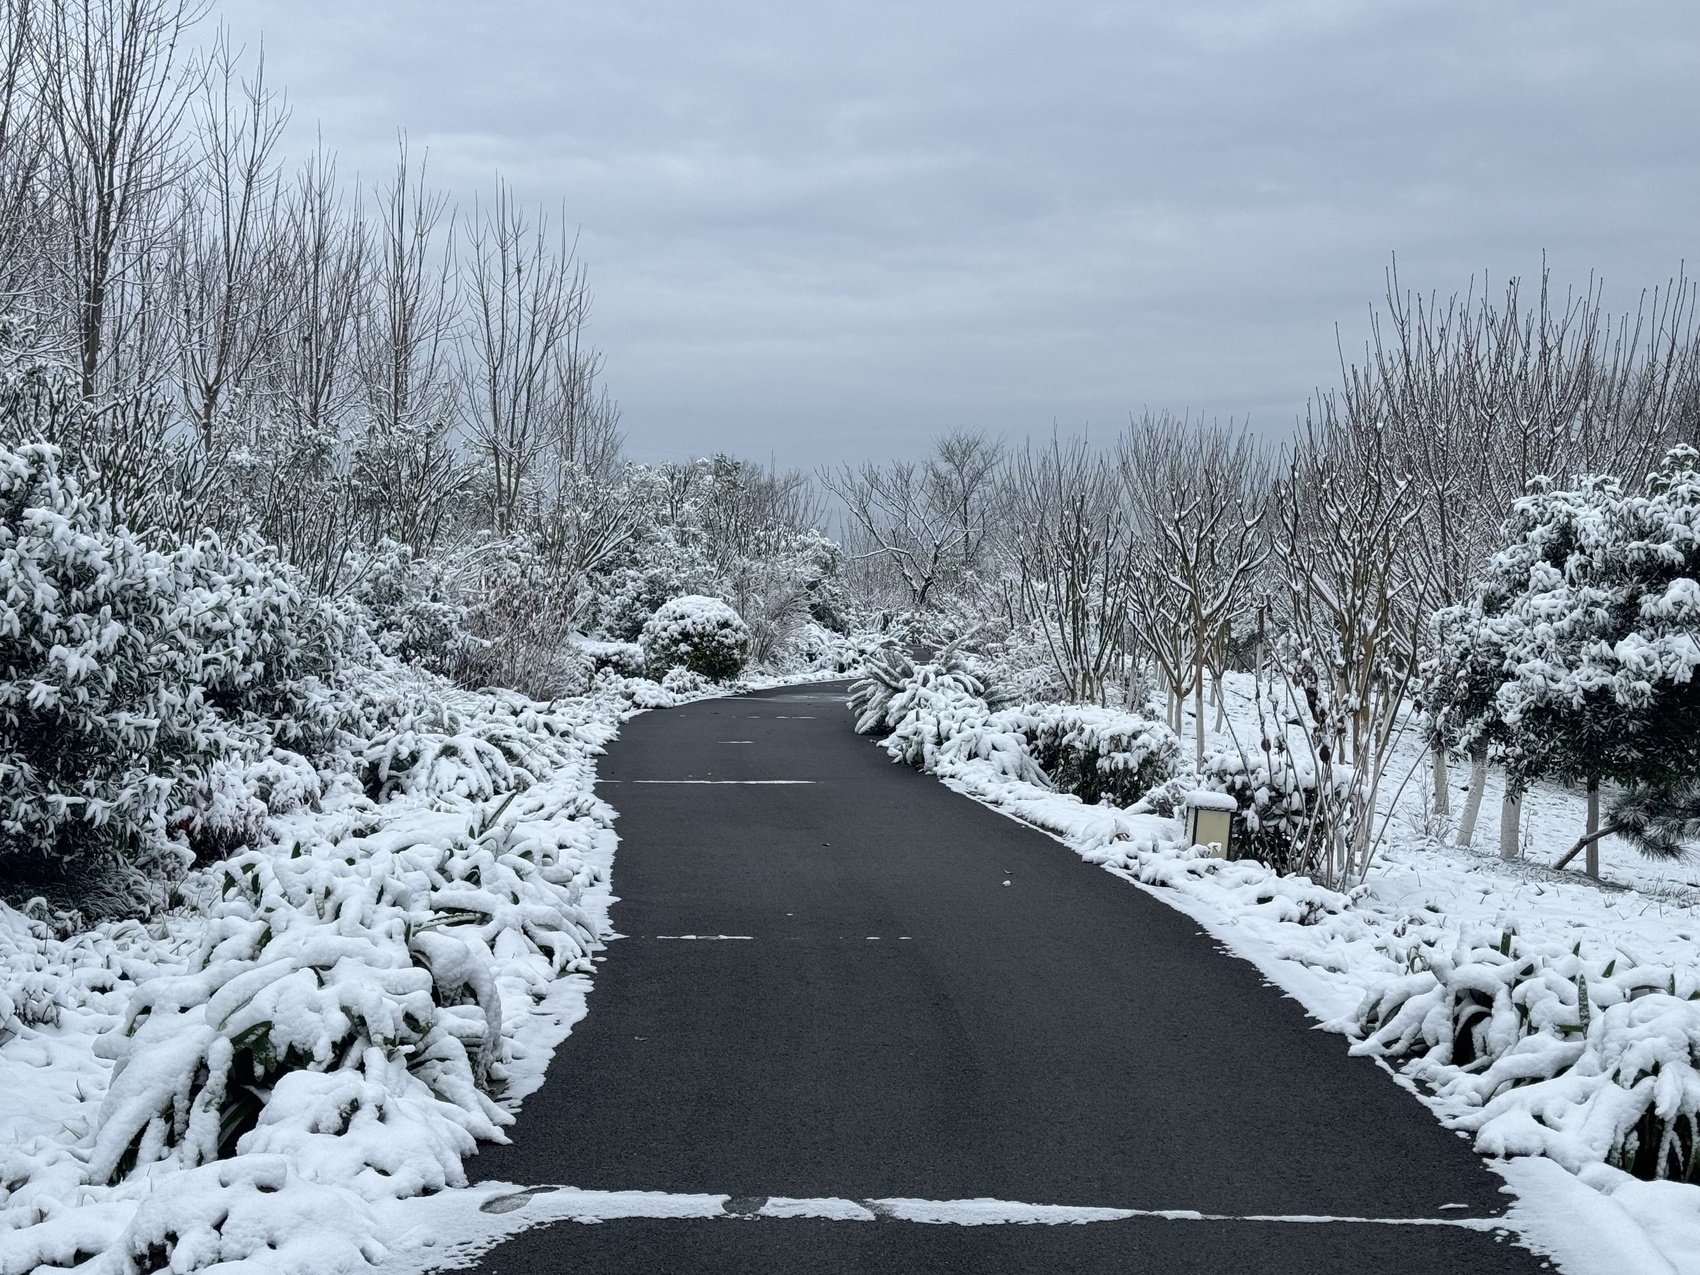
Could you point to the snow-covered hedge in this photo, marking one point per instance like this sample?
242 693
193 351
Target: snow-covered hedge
414 609
938 713
624 658
700 634
1099 754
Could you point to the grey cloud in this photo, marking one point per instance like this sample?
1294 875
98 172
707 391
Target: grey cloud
827 230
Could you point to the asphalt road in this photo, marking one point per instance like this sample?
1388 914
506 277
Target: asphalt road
936 1003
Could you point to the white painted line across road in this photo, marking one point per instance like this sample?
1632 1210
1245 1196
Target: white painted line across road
571 1204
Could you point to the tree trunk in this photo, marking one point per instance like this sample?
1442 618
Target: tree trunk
1198 713
1593 861
1510 822
1473 802
1442 796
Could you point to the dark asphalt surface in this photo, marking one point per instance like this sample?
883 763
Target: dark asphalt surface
1062 1039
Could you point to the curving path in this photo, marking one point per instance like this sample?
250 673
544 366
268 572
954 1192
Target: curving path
919 1001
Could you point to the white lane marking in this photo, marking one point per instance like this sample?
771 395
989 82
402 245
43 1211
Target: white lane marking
783 718
570 1203
710 938
734 741
755 782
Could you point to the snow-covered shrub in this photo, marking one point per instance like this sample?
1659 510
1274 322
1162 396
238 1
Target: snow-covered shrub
1288 805
697 633
1550 1052
1020 665
1100 754
624 658
813 647
884 675
1168 798
1000 739
414 609
334 1015
926 711
683 682
130 671
522 614
894 688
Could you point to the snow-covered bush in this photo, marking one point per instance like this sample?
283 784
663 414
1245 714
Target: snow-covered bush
815 648
918 708
700 634
1289 806
944 709
894 690
522 614
1552 1052
1100 754
624 658
130 671
415 610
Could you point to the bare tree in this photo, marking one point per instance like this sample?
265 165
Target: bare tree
1199 493
115 85
528 299
927 521
21 153
1472 398
225 261
408 467
1076 549
1352 612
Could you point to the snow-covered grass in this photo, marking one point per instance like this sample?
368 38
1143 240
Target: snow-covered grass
325 1023
1464 972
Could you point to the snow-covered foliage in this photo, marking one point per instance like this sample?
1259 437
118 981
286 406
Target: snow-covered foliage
133 673
1286 800
625 658
701 635
814 648
415 609
1100 754
328 1020
917 708
1576 657
1546 1050
935 715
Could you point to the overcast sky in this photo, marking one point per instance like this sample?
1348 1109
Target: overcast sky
824 231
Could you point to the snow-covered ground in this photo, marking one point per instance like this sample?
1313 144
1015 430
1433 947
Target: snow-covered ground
1448 940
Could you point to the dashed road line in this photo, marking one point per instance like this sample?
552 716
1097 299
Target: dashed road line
751 782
